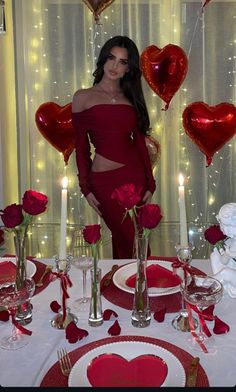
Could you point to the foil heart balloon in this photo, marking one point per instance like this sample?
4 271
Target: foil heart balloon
210 127
97 6
164 70
55 124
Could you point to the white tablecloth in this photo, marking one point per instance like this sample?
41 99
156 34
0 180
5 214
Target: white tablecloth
28 365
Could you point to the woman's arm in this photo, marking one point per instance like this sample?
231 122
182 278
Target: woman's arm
139 139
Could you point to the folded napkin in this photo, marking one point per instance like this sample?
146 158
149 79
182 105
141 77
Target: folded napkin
157 276
7 271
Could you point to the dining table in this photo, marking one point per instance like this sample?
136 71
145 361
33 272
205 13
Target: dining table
34 364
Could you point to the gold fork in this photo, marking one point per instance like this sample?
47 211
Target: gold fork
64 361
40 282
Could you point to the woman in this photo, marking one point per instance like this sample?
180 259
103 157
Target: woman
112 115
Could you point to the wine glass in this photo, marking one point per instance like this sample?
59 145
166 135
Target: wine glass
84 263
181 320
203 291
10 298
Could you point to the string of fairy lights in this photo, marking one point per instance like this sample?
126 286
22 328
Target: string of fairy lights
50 81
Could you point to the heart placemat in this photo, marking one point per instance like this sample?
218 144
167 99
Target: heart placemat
121 298
54 377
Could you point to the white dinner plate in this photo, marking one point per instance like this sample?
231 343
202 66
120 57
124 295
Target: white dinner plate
128 350
127 270
30 266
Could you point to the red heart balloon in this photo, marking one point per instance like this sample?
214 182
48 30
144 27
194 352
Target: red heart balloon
164 70
210 127
112 370
55 124
97 6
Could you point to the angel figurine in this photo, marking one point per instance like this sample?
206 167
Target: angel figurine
223 262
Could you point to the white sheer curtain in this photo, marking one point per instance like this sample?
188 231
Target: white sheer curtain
56 43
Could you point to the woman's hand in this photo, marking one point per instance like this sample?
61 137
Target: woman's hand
147 197
93 202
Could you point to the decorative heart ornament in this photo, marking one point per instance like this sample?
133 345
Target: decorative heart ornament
112 370
164 70
210 127
97 6
55 124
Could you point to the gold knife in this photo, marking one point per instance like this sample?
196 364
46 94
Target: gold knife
192 373
108 278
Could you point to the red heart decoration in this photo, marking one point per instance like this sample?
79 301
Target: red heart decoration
112 370
210 127
164 69
97 6
157 276
55 124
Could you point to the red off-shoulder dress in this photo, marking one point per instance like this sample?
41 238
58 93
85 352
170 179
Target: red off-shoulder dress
113 131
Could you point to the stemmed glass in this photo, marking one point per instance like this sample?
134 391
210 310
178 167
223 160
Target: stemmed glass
203 291
84 263
181 321
10 298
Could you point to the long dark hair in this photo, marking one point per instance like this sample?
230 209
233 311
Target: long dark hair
131 81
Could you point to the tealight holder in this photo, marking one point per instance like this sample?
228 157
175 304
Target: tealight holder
64 316
181 321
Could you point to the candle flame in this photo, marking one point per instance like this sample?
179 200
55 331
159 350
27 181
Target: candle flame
64 182
181 179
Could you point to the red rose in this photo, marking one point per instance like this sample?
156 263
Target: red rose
92 233
214 234
12 215
127 195
34 203
149 215
1 236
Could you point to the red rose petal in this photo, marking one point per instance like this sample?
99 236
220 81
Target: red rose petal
73 333
54 305
220 326
115 329
108 313
4 315
159 315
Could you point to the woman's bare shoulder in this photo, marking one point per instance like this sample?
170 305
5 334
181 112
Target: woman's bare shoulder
81 99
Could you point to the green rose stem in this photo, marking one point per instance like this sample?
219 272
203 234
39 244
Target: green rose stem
141 248
94 289
20 242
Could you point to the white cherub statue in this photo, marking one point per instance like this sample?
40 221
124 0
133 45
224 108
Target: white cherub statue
223 262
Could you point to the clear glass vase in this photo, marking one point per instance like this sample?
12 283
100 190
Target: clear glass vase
24 310
95 312
141 314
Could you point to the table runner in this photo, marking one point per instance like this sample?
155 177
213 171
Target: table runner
54 377
121 298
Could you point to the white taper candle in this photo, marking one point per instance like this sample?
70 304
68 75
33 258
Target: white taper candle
62 252
182 213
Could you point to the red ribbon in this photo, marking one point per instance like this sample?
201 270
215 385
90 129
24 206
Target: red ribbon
17 324
206 314
183 265
65 281
194 334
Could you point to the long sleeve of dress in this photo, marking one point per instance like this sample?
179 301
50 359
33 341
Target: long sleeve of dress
83 151
139 139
